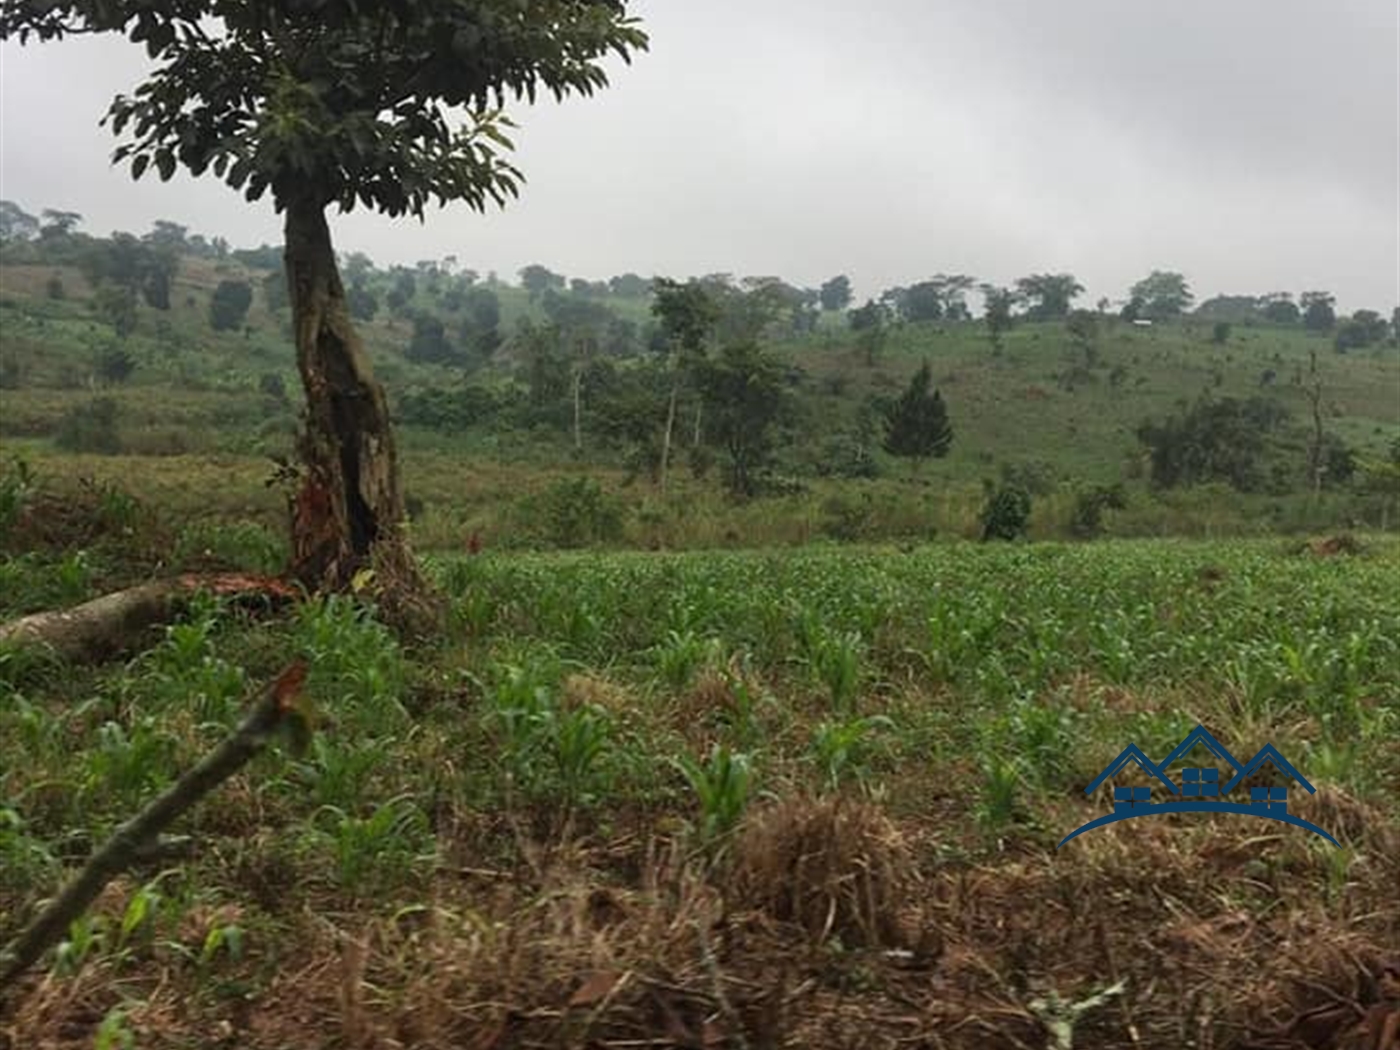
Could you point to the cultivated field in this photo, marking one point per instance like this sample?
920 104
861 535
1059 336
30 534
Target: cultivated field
724 800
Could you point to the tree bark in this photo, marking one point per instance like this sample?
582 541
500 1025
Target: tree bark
670 427
127 841
349 512
114 623
578 408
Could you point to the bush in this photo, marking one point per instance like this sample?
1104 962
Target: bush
1006 513
114 364
576 512
272 384
90 428
1086 520
846 519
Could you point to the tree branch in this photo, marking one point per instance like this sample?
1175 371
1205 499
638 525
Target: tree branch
250 738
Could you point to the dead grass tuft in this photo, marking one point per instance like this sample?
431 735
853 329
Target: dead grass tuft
834 866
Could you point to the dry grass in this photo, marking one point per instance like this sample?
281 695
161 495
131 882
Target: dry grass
833 867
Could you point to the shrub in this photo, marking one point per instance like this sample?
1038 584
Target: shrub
576 512
1005 514
90 428
1086 519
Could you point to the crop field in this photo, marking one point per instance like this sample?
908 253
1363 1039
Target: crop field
808 798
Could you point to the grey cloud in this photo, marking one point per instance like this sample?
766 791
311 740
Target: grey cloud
1254 145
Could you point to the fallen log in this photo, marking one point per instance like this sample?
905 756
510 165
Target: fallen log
276 704
113 623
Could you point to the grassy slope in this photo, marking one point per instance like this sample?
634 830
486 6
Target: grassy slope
196 392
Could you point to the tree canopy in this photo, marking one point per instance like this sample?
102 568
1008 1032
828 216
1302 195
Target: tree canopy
342 101
916 425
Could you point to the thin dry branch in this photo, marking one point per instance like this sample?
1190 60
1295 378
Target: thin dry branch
121 850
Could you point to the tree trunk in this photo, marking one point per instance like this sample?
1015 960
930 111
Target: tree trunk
695 440
670 426
578 409
349 511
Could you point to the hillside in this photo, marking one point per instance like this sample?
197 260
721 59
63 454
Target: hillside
479 374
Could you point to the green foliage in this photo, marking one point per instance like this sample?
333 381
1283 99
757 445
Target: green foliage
115 364
116 305
1220 333
1212 440
1161 295
1006 513
916 425
90 428
1319 311
723 785
228 308
742 392
282 101
845 750
576 512
1048 295
1086 518
836 293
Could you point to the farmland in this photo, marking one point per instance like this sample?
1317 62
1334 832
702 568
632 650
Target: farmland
745 798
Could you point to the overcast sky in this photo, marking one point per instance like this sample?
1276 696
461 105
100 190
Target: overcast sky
1252 144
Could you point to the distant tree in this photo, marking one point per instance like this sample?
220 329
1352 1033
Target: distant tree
1232 309
1319 311
836 293
922 301
742 391
1083 328
157 275
116 304
1220 333
59 223
228 307
357 266
997 312
361 301
1163 295
429 343
871 315
629 286
1048 295
53 287
16 224
537 279
1279 308
916 425
115 364
1132 309
1212 441
167 234
1373 324
1395 323
688 314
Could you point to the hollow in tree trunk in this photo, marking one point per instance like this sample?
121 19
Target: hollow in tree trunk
348 514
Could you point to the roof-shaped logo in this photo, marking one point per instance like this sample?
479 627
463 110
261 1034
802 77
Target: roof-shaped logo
1202 789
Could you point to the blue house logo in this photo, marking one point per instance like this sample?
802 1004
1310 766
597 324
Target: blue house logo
1201 789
